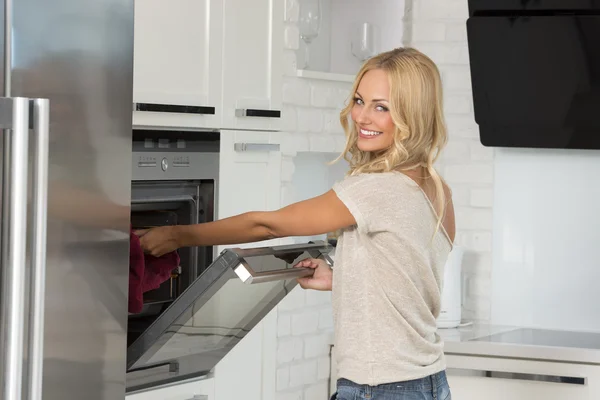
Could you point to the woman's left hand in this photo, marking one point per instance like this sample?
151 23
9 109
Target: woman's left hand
159 241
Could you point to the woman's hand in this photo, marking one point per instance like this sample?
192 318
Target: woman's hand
321 278
159 241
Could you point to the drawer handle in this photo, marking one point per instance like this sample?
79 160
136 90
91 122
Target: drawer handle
517 376
173 108
252 112
256 147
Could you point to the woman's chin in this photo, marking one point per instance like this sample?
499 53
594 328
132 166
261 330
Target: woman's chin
369 145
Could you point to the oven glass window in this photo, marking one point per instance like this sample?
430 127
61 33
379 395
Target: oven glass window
217 311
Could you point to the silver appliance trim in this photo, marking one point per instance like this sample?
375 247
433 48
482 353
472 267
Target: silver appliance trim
41 129
14 119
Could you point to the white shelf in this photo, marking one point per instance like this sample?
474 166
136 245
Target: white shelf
327 76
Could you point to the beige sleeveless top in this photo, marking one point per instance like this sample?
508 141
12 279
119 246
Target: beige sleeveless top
387 281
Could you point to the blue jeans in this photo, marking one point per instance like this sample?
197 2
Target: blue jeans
433 387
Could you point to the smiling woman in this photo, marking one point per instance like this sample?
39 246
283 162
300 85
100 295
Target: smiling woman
396 220
371 112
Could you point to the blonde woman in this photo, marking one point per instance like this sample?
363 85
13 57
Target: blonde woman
397 222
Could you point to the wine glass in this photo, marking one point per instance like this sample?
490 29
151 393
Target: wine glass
309 24
363 40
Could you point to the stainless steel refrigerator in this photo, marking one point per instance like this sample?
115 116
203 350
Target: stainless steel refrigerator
66 84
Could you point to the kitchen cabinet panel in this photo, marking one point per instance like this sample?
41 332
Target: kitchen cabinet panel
252 64
177 63
249 175
472 378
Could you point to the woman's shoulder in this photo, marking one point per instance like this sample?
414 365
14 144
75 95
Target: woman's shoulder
372 177
375 184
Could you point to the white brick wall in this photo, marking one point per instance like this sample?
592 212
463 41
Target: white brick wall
304 320
310 117
437 27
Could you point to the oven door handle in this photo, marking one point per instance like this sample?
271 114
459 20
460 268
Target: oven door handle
166 199
249 276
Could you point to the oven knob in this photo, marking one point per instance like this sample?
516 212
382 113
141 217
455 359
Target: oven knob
164 164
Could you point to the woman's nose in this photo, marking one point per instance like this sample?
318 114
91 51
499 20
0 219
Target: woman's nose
363 116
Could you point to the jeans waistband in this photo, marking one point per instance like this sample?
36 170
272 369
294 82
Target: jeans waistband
427 383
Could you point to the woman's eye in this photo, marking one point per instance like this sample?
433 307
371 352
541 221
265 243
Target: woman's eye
358 101
381 108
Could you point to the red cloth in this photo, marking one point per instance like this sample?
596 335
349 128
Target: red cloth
146 272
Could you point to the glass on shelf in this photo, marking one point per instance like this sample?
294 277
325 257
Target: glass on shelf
363 40
309 24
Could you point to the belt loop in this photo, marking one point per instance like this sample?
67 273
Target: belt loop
368 392
434 385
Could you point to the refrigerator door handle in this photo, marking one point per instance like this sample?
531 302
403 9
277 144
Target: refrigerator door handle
14 118
41 138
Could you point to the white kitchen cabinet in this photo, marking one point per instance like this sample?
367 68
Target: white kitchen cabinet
252 64
249 175
208 64
249 180
249 370
477 377
177 63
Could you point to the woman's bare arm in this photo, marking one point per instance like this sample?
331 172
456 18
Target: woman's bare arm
322 214
319 215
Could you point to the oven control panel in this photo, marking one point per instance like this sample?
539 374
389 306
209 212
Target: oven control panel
174 165
164 162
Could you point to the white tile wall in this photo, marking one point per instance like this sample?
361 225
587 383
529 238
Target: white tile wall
310 115
311 123
437 27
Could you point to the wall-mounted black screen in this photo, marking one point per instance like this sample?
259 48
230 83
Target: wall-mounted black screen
535 74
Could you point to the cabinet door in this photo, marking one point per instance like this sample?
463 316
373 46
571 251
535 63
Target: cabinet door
177 63
252 64
249 175
252 365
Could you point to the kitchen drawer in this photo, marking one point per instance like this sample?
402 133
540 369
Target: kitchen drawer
472 378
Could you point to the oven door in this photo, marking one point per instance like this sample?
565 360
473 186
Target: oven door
160 203
215 312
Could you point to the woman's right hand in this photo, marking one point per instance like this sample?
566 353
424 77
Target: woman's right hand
321 278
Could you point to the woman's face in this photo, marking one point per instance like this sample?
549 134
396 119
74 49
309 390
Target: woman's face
371 112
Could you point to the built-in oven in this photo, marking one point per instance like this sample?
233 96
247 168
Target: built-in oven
174 182
211 301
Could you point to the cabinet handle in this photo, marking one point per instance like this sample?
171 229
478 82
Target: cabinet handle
256 147
173 108
252 112
517 376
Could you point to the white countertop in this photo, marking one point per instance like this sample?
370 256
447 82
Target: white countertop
523 342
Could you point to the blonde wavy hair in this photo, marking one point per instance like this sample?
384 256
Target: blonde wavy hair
416 107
